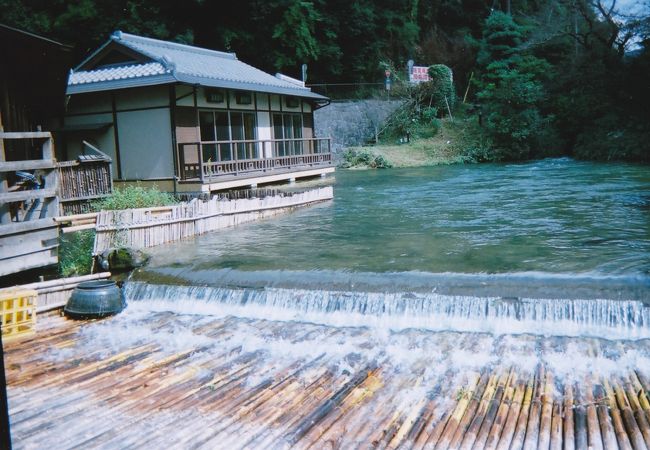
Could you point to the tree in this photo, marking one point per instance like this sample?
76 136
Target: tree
510 89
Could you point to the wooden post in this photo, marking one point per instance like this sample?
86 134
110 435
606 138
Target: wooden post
51 205
5 215
116 137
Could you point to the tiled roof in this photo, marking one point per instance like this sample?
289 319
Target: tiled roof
117 73
171 62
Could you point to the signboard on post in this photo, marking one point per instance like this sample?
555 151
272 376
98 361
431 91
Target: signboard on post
419 74
387 73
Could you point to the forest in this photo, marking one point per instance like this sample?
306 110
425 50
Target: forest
549 77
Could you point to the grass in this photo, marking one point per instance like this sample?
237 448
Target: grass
134 197
76 253
458 141
76 249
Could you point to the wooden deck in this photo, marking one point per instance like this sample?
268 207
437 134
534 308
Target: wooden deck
148 379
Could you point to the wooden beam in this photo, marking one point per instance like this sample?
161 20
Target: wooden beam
21 196
31 164
26 135
19 227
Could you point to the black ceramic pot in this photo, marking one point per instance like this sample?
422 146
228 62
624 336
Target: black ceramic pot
94 299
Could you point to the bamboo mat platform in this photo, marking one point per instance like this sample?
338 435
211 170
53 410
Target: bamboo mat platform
162 380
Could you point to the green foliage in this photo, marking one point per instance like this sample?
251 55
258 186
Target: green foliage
295 36
411 121
354 158
441 86
75 253
511 91
134 197
545 74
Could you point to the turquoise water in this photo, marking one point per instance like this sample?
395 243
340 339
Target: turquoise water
555 216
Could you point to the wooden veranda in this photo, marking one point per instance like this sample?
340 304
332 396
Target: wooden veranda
258 161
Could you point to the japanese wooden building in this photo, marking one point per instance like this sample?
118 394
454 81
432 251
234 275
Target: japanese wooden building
190 119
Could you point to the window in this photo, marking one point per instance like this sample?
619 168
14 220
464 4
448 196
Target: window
214 96
243 98
287 130
220 128
291 102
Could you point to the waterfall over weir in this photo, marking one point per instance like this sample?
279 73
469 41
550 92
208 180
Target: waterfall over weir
609 319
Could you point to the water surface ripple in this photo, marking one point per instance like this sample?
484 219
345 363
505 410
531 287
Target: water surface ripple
555 216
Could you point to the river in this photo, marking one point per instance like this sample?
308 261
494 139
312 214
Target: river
551 246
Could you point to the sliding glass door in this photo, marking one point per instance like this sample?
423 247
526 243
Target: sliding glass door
288 126
224 127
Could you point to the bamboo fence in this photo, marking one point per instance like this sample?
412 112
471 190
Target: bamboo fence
54 294
80 182
148 227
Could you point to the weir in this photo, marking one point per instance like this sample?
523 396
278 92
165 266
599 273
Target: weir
401 310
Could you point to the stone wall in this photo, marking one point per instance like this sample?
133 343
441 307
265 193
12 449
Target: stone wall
352 123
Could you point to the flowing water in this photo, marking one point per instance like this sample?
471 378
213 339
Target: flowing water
553 247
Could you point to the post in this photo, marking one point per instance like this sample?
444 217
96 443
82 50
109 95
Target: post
50 206
200 155
5 434
5 215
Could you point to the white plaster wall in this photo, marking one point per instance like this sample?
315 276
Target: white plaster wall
185 92
262 101
145 144
144 97
95 102
275 102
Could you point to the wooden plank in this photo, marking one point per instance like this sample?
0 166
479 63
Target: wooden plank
28 242
44 258
21 196
25 135
83 197
74 217
20 227
30 164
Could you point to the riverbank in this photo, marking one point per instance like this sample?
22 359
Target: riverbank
459 140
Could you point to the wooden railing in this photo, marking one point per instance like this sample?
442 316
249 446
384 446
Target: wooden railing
28 233
207 160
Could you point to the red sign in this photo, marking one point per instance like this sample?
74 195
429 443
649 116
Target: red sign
419 74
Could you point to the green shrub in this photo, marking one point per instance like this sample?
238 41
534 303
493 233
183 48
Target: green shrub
76 253
134 197
441 86
354 158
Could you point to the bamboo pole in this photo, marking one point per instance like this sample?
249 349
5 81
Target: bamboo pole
606 427
593 426
519 436
642 395
475 400
633 431
420 422
637 410
502 413
472 431
569 436
73 229
495 402
532 429
462 413
545 428
510 422
617 421
556 427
